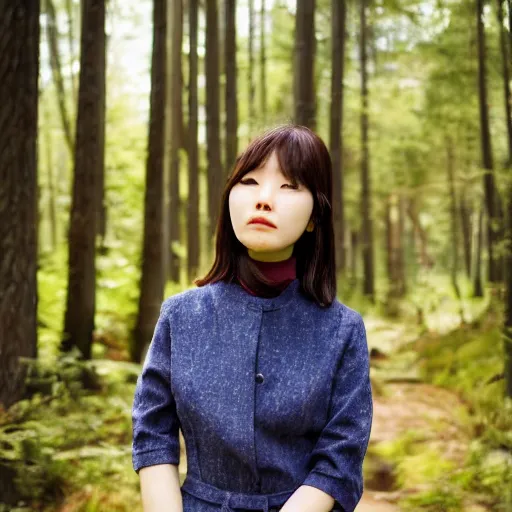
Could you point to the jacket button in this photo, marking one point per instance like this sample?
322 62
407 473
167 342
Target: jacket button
259 378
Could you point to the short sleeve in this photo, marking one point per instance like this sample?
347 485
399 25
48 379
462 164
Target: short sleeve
155 422
336 462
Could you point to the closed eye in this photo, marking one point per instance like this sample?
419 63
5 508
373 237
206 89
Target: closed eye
249 181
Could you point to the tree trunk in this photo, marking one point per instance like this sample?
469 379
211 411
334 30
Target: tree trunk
366 207
81 289
176 122
492 199
19 70
509 10
193 247
304 68
263 64
424 257
354 242
465 219
231 85
101 218
250 70
339 14
507 327
153 275
505 59
394 246
52 35
212 116
478 290
400 259
453 224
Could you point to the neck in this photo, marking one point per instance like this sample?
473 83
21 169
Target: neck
274 256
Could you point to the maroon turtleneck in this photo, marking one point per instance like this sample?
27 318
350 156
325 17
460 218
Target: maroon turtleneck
280 273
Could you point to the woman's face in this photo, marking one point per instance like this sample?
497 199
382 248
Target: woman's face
266 192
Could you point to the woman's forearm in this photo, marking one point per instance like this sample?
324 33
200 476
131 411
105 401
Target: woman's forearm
160 488
308 499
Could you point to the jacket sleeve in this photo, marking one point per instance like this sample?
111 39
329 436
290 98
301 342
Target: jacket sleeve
155 422
335 465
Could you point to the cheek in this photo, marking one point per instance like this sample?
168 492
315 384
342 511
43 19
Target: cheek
298 210
236 206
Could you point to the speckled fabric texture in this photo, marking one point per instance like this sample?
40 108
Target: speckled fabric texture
270 394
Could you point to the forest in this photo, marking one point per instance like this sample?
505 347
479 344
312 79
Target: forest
120 122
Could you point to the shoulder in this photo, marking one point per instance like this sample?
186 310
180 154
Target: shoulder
192 300
350 320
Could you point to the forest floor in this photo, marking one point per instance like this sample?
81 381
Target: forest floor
421 432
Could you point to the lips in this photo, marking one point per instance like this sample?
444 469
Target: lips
262 220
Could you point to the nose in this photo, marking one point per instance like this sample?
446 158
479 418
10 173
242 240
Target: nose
264 199
263 206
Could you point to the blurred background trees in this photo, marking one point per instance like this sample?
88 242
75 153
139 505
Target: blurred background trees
112 167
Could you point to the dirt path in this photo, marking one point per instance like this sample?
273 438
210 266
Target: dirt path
432 412
426 409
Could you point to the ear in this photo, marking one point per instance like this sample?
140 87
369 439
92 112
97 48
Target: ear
311 226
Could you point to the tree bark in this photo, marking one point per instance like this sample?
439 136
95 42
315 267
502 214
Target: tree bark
193 246
339 14
394 246
454 268
505 59
153 275
492 199
81 289
509 10
354 244
19 70
507 327
176 122
212 116
366 206
304 68
465 220
231 85
101 219
478 290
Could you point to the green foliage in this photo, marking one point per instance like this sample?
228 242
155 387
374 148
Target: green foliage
439 499
466 361
414 463
62 439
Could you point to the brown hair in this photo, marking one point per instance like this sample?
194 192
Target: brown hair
304 158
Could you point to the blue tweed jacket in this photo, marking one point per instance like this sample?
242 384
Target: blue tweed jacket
270 394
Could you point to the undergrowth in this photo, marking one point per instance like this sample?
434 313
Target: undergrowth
468 361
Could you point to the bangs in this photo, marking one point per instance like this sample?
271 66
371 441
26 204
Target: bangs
297 157
295 151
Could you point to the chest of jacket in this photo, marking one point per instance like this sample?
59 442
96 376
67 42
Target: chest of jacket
236 365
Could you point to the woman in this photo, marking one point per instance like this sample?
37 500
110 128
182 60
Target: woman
262 368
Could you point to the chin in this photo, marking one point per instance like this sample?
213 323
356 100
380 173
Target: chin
259 245
262 248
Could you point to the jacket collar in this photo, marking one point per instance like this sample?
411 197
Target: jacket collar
236 293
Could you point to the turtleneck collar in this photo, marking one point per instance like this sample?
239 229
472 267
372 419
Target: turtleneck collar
280 273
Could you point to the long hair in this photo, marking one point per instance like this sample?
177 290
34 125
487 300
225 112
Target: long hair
303 158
